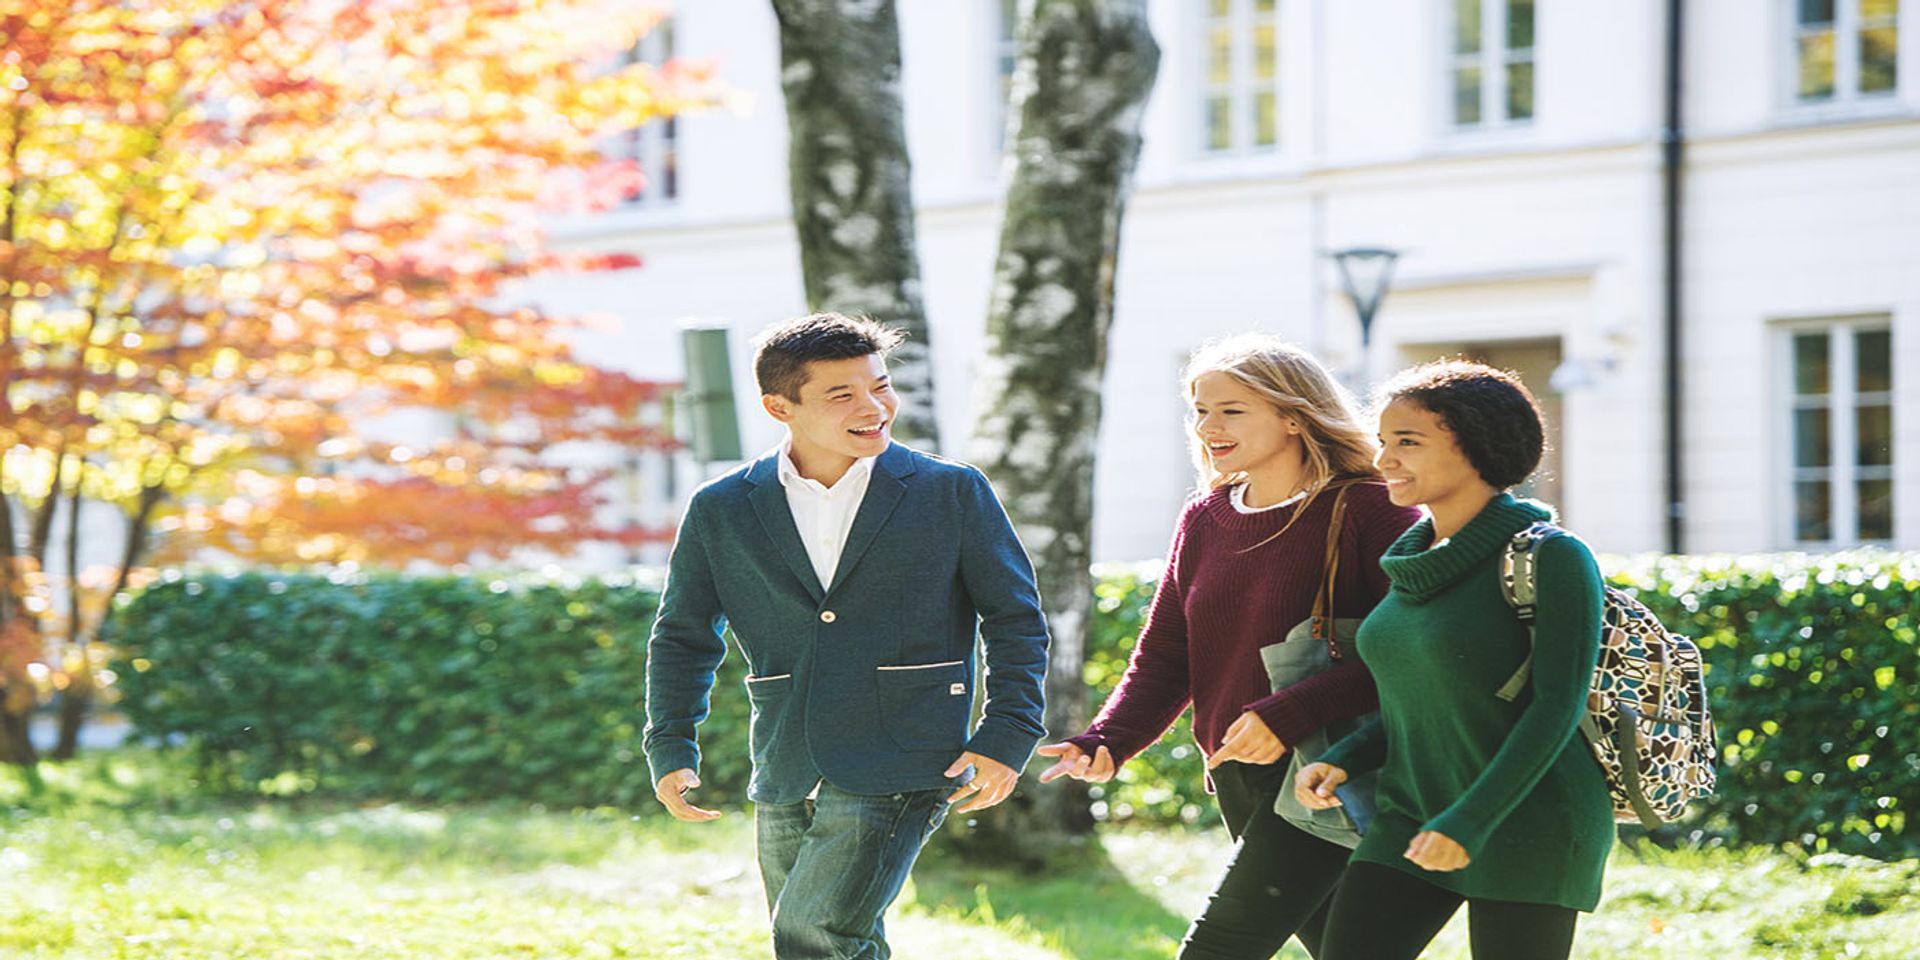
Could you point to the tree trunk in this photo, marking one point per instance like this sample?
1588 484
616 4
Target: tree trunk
851 184
17 697
9 545
1085 69
16 747
41 532
15 689
77 699
139 529
79 690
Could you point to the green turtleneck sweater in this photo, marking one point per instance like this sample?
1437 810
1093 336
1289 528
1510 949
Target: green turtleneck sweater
1509 781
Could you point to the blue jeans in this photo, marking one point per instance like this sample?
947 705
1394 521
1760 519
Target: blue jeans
833 865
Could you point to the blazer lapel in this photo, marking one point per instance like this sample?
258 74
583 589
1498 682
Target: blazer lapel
769 500
884 492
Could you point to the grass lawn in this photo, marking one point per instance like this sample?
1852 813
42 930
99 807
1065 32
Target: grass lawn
112 862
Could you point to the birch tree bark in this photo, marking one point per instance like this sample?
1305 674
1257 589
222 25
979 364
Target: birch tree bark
1084 72
851 181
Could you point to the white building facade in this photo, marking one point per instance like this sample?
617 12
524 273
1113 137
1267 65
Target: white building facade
1509 149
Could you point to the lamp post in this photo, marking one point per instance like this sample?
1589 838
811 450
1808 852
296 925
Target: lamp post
1365 273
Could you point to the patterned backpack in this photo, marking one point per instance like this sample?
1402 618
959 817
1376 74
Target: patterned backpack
1647 719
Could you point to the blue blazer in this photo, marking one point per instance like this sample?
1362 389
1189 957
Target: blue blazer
867 683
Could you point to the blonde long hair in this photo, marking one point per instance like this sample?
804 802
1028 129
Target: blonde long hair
1336 443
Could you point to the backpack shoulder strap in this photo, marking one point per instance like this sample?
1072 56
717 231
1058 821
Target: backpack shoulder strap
1520 585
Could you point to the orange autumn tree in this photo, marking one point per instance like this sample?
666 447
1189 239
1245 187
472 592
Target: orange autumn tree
236 237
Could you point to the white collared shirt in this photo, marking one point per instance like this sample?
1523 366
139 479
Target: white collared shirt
824 515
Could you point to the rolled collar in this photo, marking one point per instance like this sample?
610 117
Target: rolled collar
1422 571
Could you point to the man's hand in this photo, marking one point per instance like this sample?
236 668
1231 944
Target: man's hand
1437 852
992 782
1248 741
671 791
1314 787
1076 763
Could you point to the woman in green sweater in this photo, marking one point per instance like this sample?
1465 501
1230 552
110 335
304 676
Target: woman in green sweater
1483 801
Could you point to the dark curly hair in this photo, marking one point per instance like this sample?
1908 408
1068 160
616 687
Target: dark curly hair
1492 417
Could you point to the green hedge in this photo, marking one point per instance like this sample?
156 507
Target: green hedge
1814 676
1163 784
1812 668
461 689
431 688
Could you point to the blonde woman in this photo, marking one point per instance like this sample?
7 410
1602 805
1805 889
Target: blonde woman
1275 439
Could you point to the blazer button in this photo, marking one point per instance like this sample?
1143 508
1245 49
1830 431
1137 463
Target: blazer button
828 616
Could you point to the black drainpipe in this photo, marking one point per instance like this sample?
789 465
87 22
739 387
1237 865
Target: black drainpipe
1672 149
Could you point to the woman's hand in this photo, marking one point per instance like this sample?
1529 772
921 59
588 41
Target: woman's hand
1314 787
1071 761
1437 852
1249 740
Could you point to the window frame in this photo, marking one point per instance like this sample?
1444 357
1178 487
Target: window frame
1492 58
1242 87
1843 473
1847 28
657 144
1003 55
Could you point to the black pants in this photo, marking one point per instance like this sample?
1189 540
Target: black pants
1279 881
1380 913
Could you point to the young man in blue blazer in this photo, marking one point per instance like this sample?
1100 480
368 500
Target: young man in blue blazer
855 574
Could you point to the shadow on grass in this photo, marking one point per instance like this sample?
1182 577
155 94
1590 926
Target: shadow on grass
105 779
150 799
1084 905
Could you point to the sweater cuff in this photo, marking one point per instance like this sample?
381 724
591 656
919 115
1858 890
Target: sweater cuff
1471 836
1090 743
1345 759
1116 742
1358 752
1284 716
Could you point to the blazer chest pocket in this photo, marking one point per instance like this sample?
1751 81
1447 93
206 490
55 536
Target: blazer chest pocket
924 706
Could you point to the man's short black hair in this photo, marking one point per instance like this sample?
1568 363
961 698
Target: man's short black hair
1493 418
782 351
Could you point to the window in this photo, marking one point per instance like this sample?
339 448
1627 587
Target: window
1844 49
1006 49
1841 433
655 145
1240 64
1492 45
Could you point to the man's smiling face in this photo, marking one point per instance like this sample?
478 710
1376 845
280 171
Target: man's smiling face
845 411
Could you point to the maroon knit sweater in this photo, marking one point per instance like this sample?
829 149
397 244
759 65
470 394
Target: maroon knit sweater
1216 607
